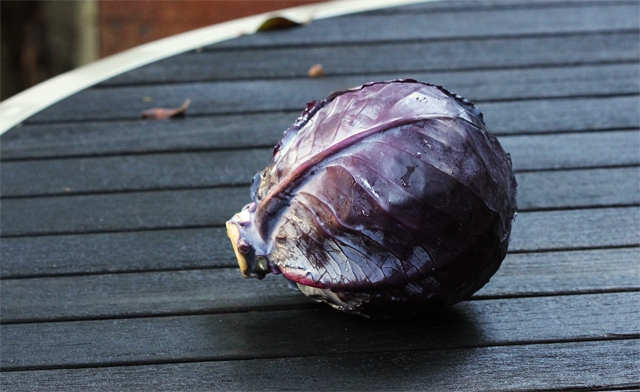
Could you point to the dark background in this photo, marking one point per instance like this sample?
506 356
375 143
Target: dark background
41 39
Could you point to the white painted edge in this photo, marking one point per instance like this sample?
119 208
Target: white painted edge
27 103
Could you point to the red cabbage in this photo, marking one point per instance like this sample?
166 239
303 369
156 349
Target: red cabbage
388 200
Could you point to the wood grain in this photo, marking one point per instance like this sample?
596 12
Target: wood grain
232 168
265 129
578 188
187 208
504 368
437 22
247 335
225 290
258 96
576 229
207 248
393 57
121 211
505 5
115 252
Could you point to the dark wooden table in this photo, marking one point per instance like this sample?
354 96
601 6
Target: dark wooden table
117 273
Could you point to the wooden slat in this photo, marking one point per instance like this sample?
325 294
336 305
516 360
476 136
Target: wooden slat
561 115
210 207
548 230
276 95
427 21
240 335
565 272
143 294
506 368
224 290
115 252
265 129
396 57
121 137
507 5
200 248
557 189
230 168
578 188
138 172
574 150
122 211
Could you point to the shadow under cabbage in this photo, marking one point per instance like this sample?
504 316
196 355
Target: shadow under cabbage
325 331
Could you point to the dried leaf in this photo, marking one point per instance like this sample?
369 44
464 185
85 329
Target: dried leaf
277 23
164 113
316 71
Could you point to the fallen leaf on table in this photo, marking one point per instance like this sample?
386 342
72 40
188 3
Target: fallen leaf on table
164 113
316 71
277 23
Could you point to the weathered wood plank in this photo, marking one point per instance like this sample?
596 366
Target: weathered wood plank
137 172
573 150
238 335
224 290
122 137
287 94
210 207
504 368
507 5
396 57
565 272
527 117
549 230
451 21
121 211
144 294
202 248
116 252
597 187
265 129
231 168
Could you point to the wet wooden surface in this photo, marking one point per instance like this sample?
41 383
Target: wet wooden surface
116 273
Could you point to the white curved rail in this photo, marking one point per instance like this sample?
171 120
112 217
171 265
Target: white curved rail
25 104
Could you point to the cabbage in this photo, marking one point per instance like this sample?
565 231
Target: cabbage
388 200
